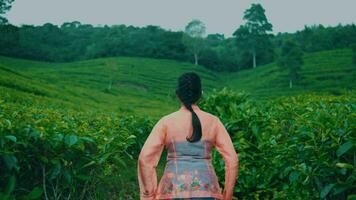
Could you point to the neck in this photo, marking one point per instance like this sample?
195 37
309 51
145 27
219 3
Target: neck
194 107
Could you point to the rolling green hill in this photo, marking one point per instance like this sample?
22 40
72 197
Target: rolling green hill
146 86
326 71
138 84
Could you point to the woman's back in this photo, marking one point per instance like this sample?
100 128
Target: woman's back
189 171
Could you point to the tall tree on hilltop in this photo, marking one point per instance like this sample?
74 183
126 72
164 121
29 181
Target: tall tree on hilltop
5 5
193 38
291 58
253 35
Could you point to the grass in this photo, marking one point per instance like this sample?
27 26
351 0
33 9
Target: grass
326 71
140 85
146 86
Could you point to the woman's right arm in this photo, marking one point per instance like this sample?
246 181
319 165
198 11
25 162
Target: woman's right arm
225 147
148 159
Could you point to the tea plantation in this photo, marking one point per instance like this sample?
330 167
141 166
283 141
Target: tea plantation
74 130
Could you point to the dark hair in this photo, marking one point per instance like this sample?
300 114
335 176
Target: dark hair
189 91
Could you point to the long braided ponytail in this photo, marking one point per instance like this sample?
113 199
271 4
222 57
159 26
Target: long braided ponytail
189 92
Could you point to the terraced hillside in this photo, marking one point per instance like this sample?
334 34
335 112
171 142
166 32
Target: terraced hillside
326 71
137 84
146 86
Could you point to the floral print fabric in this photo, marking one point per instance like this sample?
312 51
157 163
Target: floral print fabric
194 198
189 169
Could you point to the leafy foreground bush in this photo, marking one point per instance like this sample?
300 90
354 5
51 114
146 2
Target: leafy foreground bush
50 153
298 147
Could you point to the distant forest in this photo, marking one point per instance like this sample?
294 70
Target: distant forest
76 41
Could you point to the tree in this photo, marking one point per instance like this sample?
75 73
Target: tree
353 47
194 38
215 40
291 58
9 37
254 35
209 59
5 5
71 25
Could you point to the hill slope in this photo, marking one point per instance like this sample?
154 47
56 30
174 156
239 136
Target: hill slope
326 71
146 86
137 84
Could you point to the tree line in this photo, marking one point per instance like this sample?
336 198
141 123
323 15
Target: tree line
251 45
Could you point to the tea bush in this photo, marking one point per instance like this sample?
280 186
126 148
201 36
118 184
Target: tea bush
58 154
299 147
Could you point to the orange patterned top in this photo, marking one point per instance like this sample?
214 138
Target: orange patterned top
189 171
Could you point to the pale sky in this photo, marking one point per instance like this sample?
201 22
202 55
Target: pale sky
220 16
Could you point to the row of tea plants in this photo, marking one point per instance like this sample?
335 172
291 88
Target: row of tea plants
298 147
52 153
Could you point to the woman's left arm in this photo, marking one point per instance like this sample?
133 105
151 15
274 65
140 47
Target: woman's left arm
148 160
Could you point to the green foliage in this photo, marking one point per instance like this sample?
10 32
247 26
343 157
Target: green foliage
65 152
318 37
254 36
353 47
82 85
5 5
298 147
139 85
73 41
256 20
195 29
291 58
71 139
193 38
322 72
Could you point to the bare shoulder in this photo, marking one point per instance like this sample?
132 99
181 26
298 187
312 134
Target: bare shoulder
208 114
169 116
